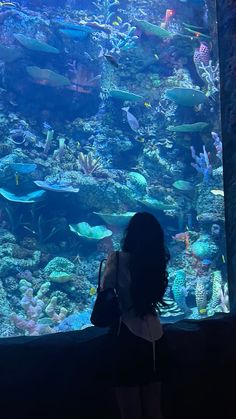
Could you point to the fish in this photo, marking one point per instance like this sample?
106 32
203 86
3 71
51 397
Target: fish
203 311
98 77
9 4
223 258
92 291
147 105
156 56
131 119
118 18
115 23
217 192
140 139
112 60
182 237
109 57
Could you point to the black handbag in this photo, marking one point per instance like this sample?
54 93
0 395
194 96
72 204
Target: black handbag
106 310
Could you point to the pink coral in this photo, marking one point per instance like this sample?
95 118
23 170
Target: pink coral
82 80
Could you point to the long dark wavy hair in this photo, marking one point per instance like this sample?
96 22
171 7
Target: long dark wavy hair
144 241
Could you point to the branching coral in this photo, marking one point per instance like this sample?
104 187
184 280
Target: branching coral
218 145
34 308
124 40
105 6
88 163
202 164
211 76
82 79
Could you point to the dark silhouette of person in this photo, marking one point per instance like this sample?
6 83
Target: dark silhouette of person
142 281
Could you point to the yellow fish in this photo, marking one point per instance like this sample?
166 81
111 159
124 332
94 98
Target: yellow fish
147 105
92 291
202 311
115 23
119 19
140 139
217 192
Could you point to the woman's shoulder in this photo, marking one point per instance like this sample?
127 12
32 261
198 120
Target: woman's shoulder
123 255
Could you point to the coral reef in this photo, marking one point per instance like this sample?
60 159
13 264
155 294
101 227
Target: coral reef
70 156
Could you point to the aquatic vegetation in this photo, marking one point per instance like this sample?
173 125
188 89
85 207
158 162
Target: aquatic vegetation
88 232
88 163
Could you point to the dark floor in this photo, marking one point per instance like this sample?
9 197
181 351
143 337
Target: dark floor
56 376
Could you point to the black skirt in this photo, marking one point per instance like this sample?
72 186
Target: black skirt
128 360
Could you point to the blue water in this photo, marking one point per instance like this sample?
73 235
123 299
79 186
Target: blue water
107 108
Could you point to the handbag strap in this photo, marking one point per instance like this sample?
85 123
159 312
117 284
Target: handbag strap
100 273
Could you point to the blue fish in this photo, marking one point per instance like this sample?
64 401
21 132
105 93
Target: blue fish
74 34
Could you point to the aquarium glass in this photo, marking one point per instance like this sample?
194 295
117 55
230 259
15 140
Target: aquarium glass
107 108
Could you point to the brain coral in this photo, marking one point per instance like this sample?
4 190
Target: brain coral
59 264
204 247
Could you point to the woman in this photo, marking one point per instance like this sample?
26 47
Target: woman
142 281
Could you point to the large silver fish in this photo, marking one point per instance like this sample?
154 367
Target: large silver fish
132 120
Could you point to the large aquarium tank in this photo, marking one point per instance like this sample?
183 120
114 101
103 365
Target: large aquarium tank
107 108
